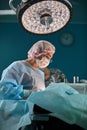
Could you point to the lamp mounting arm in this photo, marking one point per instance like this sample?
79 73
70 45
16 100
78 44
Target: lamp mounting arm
12 6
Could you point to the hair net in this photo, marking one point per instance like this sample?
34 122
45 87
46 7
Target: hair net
41 47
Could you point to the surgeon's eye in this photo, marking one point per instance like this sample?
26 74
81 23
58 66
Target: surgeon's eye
47 56
40 57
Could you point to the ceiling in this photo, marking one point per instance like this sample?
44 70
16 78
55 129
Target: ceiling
78 16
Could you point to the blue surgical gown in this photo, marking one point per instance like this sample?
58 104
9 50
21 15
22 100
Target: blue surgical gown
17 77
14 111
25 75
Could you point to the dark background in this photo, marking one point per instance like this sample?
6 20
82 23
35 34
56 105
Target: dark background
72 60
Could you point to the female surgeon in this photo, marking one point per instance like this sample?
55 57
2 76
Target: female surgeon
28 72
18 80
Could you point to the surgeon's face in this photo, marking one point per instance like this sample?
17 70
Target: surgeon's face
43 61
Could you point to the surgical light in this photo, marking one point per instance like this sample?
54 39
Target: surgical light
43 16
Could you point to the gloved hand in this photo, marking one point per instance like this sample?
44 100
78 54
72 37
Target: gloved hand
10 90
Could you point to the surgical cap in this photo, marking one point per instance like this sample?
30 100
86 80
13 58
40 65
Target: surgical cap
41 47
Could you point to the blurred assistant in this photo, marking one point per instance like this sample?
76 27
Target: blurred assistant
54 75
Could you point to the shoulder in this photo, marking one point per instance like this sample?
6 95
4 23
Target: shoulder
41 71
16 63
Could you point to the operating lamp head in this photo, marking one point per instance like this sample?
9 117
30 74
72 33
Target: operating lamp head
44 16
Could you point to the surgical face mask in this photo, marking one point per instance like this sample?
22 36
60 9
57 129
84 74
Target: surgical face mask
43 62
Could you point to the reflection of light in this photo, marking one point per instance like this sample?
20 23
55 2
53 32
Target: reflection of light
44 16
